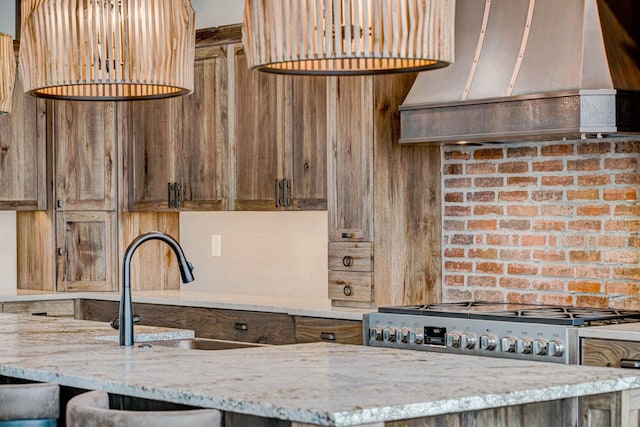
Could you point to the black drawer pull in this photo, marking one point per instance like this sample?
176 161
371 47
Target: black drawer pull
348 236
328 336
347 261
347 290
630 363
241 326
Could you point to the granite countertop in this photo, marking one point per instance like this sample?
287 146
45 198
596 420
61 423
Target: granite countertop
297 306
320 383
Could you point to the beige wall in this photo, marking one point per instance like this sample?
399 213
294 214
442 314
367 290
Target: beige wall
263 253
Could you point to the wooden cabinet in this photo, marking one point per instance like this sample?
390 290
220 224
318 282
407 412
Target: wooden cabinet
23 158
610 353
315 329
84 150
51 308
279 134
86 251
178 147
234 325
383 199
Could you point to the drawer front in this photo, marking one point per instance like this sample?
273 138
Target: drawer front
350 256
313 329
351 286
237 325
611 353
62 308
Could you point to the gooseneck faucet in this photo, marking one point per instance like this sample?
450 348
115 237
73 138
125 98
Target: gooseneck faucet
126 305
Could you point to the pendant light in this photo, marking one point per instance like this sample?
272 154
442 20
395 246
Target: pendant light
333 37
107 49
7 73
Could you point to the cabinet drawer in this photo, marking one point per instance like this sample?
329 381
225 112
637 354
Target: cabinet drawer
350 256
314 329
350 286
61 308
599 352
237 325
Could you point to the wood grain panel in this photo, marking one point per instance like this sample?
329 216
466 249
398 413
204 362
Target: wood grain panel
84 144
350 256
205 144
315 329
23 153
86 250
248 326
53 308
154 265
351 286
153 137
168 316
407 205
34 250
308 155
599 352
350 166
260 101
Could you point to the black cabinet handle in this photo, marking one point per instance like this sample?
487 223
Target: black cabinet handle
278 193
348 235
347 261
630 363
287 192
347 290
241 326
171 189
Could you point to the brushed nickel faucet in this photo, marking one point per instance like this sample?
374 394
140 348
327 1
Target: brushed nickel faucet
126 305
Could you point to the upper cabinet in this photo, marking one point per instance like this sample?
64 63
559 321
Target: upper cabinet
23 158
279 132
84 151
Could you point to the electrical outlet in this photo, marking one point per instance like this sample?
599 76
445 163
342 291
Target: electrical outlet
216 245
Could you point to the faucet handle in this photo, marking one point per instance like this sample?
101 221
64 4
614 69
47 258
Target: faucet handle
115 323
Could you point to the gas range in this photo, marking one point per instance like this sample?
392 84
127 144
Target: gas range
515 331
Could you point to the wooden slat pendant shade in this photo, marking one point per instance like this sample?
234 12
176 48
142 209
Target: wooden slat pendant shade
348 36
107 49
7 73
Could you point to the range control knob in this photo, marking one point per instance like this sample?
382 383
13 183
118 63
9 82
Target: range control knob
452 339
402 335
416 336
467 340
389 334
488 342
555 348
375 334
523 345
539 347
508 344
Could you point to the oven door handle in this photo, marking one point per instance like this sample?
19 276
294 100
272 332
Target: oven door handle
630 363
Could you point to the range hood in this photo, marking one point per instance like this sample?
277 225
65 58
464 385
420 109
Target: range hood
532 70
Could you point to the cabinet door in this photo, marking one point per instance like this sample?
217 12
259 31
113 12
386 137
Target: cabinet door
205 157
152 137
23 153
308 143
260 124
86 248
350 165
84 146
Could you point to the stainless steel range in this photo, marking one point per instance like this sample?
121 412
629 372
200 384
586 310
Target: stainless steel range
515 331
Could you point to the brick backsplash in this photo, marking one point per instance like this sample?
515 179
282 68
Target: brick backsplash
548 223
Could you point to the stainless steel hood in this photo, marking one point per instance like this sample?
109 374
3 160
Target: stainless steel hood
532 70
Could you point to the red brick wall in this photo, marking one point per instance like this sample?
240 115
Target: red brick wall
549 223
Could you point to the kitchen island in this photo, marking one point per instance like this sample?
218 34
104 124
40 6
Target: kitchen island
311 384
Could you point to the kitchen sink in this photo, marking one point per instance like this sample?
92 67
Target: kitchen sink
200 344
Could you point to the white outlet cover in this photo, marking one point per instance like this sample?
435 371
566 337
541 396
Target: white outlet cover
216 245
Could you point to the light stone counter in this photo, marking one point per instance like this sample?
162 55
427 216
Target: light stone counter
288 305
320 383
624 332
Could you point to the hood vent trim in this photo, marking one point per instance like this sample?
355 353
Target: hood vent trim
581 95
